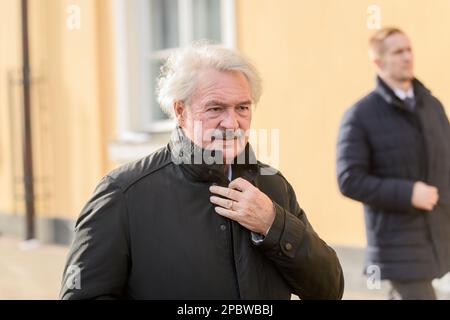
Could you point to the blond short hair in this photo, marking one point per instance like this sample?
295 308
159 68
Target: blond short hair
376 42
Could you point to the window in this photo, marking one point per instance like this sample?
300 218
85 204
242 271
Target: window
147 31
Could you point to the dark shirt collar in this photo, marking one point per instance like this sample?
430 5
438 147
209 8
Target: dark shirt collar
207 165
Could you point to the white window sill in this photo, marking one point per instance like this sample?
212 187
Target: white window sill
134 146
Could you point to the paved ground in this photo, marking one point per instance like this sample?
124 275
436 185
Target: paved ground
30 271
356 286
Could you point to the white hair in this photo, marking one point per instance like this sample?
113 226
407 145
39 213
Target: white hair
179 74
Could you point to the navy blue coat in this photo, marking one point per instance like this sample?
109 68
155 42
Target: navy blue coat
383 148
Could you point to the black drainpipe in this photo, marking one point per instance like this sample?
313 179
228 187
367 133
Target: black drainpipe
27 136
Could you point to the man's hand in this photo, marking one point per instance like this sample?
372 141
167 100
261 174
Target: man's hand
245 204
424 197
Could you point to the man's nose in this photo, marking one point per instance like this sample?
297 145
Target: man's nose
408 56
230 120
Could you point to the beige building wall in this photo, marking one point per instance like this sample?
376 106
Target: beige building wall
10 61
70 114
314 62
313 59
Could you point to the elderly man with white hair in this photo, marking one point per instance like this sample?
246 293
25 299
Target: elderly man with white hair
200 218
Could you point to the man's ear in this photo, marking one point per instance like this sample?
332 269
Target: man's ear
378 63
178 108
375 59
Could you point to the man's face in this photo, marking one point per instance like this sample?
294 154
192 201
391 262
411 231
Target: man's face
397 60
219 112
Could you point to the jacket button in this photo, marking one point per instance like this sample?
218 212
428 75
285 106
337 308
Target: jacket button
288 246
223 227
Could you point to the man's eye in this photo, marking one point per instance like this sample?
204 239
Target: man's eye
244 108
215 109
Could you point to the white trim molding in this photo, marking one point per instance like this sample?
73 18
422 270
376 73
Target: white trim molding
137 133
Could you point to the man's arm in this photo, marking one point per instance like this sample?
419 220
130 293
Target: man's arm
445 122
307 263
353 171
97 264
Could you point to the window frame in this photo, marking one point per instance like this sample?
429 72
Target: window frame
132 49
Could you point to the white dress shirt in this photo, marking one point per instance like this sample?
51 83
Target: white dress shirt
404 94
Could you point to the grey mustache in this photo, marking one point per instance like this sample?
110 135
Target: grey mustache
227 134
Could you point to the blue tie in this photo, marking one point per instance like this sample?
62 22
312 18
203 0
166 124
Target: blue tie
410 103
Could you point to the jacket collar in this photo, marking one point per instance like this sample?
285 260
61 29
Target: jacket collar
207 165
420 91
